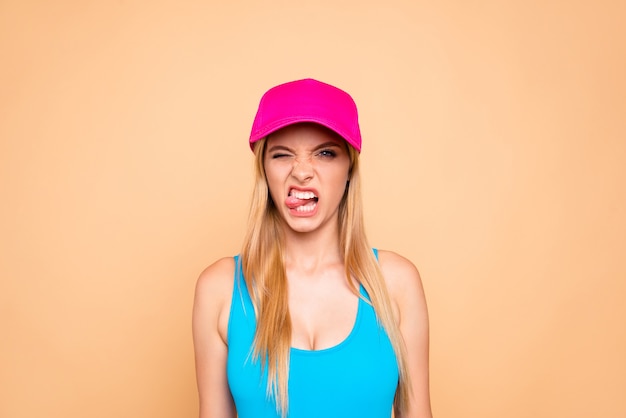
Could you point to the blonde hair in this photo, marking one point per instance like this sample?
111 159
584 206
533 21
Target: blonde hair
264 272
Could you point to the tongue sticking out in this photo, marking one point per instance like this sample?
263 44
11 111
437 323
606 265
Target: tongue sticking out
293 202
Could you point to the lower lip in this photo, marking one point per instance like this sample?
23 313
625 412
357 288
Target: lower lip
303 214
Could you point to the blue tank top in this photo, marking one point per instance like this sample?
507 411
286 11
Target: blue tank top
356 378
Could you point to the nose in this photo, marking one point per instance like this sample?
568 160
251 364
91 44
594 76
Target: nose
302 169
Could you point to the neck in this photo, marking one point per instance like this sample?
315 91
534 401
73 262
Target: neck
312 250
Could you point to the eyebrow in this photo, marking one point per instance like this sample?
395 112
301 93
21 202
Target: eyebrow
286 148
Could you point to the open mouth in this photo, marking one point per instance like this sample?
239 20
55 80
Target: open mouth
301 201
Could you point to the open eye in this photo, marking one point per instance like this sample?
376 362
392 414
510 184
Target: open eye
327 153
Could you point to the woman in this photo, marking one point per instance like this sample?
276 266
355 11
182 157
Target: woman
309 320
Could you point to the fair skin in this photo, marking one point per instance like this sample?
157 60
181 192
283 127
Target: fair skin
307 171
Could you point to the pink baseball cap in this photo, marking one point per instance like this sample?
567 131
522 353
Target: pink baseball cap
307 100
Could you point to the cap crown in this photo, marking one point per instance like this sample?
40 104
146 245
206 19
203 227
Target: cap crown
307 100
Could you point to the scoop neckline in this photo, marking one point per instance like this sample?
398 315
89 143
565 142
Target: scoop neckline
341 344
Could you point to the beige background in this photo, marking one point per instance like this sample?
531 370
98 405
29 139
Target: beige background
494 157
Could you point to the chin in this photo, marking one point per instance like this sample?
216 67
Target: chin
303 229
302 225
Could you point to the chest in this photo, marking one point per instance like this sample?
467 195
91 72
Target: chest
356 377
321 317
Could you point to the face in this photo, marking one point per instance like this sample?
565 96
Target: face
307 169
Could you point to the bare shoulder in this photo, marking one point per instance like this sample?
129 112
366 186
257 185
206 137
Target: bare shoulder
403 282
399 271
407 294
211 310
217 278
213 295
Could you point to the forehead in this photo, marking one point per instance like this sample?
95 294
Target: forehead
304 134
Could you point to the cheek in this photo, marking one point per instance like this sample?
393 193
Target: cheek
345 172
271 184
274 181
340 179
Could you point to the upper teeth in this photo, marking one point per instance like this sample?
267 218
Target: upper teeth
302 195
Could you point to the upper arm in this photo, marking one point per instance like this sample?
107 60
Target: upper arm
406 291
209 325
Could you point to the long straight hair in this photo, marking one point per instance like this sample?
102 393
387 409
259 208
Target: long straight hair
263 266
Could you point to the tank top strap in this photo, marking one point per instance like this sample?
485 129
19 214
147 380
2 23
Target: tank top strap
242 320
362 290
